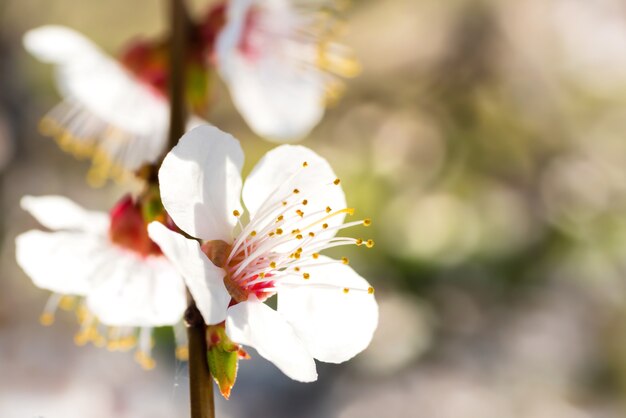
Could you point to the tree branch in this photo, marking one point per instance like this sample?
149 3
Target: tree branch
200 382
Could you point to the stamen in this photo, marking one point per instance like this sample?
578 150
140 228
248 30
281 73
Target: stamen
47 316
345 260
367 222
306 276
236 213
369 243
336 182
180 336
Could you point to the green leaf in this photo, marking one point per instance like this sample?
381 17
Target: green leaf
223 366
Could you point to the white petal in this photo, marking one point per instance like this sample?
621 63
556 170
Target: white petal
335 326
204 280
281 171
57 212
277 89
201 183
259 326
55 44
63 262
139 292
278 102
106 109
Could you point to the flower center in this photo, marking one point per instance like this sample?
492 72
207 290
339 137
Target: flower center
128 228
280 246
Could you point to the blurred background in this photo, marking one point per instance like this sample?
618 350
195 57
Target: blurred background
485 138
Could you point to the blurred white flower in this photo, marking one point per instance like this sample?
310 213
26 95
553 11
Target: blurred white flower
106 269
107 114
296 205
280 62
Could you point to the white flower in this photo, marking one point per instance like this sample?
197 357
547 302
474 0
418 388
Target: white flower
277 58
106 114
295 207
114 288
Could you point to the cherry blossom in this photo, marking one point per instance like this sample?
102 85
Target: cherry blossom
295 206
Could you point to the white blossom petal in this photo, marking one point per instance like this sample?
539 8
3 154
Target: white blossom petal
204 280
107 113
200 183
259 326
63 262
57 212
276 89
139 292
334 326
280 172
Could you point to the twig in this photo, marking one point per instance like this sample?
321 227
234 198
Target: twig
200 382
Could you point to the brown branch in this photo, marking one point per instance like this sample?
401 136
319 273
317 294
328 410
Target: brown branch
200 382
178 106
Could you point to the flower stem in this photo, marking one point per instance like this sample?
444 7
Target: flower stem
200 382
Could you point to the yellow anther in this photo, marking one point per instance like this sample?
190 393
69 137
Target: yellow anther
359 242
271 234
253 233
296 268
144 360
296 256
279 231
284 203
300 213
369 243
299 236
182 353
311 234
273 264
305 164
295 231
81 339
325 226
299 250
280 218
262 275
306 276
346 290
316 255
367 222
304 202
370 290
328 209
46 319
336 182
67 303
296 191
345 260
236 213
